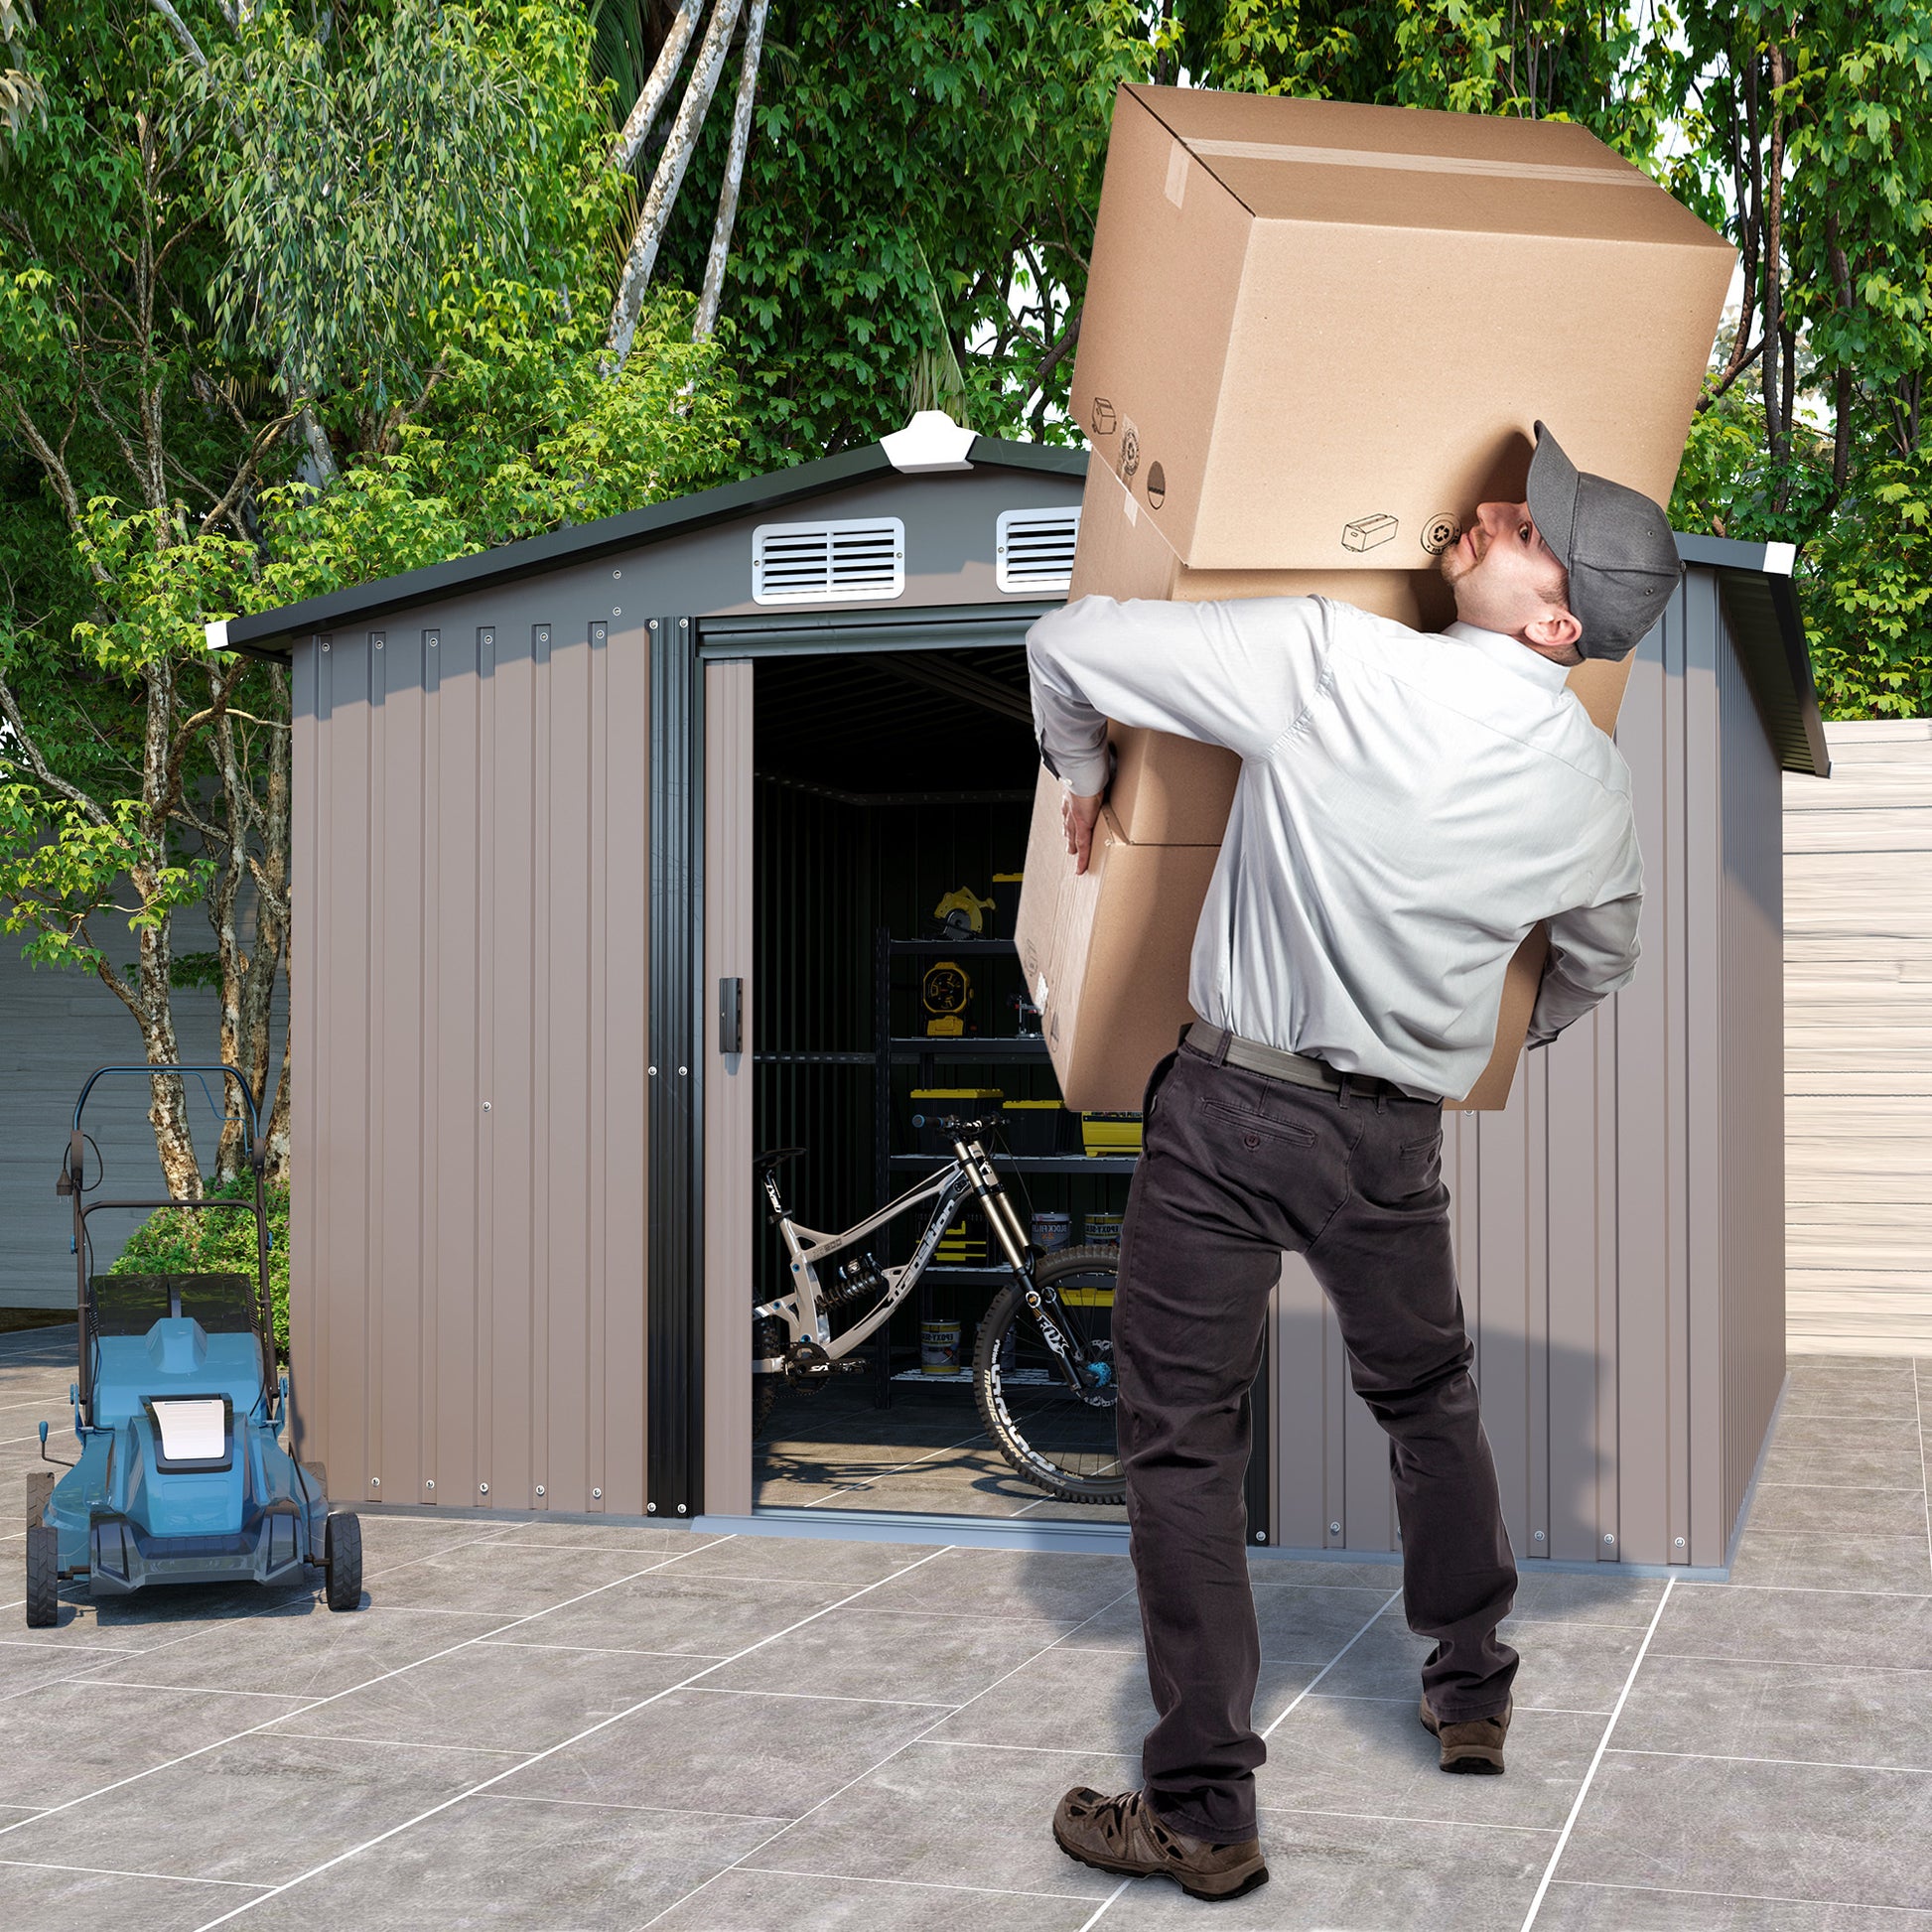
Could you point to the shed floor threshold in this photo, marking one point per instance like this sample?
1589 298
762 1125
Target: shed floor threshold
1004 1533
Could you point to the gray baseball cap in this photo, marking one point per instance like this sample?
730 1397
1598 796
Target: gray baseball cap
1616 543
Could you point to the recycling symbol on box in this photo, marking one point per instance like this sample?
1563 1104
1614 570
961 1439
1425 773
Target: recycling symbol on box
1440 532
1130 452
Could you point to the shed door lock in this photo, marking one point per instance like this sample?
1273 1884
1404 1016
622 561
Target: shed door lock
731 1016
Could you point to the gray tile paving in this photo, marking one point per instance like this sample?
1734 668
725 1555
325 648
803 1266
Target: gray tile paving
857 1651
1607 1908
887 1744
727 1750
1823 1712
756 1901
945 1814
260 1809
51 1895
495 1861
1801 1832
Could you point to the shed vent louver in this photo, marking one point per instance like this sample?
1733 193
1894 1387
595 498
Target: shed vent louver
825 563
1037 549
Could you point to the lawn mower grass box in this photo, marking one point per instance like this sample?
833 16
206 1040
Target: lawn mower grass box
1315 337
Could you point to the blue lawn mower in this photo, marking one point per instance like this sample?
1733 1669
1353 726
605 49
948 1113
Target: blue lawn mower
179 1409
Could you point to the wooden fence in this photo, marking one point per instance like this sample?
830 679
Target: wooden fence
1858 986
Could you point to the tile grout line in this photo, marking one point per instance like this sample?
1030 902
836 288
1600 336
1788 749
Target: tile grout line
1800 1763
1603 1744
1395 1597
904 1745
381 1677
1293 1704
538 1757
912 1884
110 1872
1100 1910
1747 1897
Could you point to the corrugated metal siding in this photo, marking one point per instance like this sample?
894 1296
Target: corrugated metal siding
1858 991
1615 1241
470 1014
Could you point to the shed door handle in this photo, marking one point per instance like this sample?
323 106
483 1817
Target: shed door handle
731 1016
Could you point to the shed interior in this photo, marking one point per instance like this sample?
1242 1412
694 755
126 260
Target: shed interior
886 783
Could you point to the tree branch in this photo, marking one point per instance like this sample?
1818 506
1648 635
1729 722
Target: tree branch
721 232
637 123
179 26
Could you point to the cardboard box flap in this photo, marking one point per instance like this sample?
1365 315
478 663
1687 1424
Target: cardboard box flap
1336 162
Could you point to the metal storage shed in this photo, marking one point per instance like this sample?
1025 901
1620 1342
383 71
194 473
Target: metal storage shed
524 862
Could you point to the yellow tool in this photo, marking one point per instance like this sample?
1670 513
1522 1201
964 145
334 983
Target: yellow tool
963 914
946 992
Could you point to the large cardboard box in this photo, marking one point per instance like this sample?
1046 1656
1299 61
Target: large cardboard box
1105 953
1316 335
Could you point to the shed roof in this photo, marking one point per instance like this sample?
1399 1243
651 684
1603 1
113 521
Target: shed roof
1755 579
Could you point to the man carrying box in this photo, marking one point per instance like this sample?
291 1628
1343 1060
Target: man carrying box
1409 808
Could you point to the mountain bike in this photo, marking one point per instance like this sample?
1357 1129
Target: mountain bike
1043 1361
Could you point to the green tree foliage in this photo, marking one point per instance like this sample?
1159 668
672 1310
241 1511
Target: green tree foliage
243 255
213 1241
920 197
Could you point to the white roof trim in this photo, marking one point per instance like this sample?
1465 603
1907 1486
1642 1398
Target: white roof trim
216 633
930 440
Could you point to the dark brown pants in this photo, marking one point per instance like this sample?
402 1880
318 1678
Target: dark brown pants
1237 1169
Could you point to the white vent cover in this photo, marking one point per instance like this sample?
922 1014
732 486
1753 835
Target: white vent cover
1037 549
825 563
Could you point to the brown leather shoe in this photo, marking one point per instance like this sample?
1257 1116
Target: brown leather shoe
1122 1833
1476 1746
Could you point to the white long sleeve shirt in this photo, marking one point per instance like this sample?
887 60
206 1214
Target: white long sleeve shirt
1410 805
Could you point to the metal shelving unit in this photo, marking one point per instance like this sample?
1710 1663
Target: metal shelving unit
929 1055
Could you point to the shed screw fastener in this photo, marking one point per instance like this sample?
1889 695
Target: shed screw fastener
1536 1536
682 1071
1334 1529
616 609
597 1495
539 1490
325 647
485 1106
1679 1543
651 1509
376 1482
617 572
1261 1535
430 1483
1608 1537
652 1071
680 1509
482 1488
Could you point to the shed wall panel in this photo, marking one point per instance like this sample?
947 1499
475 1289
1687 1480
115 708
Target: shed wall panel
470 1135
1609 1227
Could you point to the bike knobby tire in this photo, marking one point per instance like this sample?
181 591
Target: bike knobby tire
1054 1439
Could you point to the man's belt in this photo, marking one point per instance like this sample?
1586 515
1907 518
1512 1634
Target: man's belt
1296 1068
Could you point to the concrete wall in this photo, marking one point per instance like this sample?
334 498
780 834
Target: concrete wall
1857 994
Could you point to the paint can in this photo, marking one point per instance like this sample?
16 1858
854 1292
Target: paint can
940 1347
1052 1229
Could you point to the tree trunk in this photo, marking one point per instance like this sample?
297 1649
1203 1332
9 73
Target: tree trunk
643 113
721 233
666 183
1771 369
